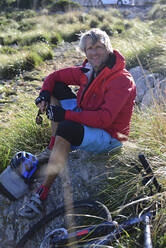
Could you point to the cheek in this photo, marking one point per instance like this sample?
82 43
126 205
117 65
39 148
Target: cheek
104 56
88 55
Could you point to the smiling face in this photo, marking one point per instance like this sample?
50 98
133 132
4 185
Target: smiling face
96 54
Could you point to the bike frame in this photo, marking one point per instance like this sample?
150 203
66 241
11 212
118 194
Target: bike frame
107 230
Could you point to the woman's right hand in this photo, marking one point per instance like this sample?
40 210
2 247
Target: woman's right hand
42 101
42 106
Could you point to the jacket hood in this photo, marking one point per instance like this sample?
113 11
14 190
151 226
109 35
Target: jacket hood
119 64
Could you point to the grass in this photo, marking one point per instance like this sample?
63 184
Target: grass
24 133
142 43
14 64
151 136
23 31
127 197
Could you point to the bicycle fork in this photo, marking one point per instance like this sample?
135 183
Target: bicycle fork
147 233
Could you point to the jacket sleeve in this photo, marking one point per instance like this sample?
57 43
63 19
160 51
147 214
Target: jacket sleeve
70 76
115 99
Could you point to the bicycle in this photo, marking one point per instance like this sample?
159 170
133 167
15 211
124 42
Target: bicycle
98 235
60 237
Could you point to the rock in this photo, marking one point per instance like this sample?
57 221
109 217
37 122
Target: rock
85 176
138 72
155 95
150 87
143 84
139 77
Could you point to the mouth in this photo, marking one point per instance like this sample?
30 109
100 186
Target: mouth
95 60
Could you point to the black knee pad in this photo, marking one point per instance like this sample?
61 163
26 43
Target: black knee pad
72 131
62 91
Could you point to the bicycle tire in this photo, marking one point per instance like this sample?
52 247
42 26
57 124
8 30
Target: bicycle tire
60 211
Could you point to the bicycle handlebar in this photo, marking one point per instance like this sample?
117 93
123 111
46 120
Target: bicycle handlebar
149 171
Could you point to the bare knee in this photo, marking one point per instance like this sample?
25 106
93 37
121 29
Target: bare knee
54 101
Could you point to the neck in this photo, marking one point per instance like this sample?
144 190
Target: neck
98 69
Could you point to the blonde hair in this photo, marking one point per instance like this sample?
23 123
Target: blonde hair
95 34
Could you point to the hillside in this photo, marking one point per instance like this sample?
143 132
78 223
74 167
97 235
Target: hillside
33 44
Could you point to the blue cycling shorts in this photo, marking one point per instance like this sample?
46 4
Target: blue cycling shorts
95 140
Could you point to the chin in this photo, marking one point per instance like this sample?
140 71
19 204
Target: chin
97 68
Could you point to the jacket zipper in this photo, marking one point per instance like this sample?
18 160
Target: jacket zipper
86 88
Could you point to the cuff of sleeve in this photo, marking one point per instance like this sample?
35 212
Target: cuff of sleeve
46 94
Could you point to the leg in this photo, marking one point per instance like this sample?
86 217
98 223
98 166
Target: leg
54 102
68 132
54 125
97 140
57 160
61 92
43 157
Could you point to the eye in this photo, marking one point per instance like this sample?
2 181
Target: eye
100 47
88 48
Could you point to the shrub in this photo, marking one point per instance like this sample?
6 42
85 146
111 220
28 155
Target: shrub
145 54
25 25
43 50
119 27
94 24
100 15
33 37
82 18
5 4
11 40
19 15
55 38
25 39
8 50
68 19
70 37
128 25
107 29
157 12
1 40
28 4
12 67
64 5
8 24
161 1
3 20
73 35
32 60
16 64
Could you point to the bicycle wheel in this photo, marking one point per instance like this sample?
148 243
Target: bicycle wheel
83 212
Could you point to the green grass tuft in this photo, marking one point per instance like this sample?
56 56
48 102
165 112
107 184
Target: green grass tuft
24 135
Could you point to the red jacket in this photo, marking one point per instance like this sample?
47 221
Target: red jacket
107 103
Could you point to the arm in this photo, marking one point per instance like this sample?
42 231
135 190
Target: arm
70 76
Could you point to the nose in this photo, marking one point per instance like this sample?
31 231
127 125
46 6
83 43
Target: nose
93 51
